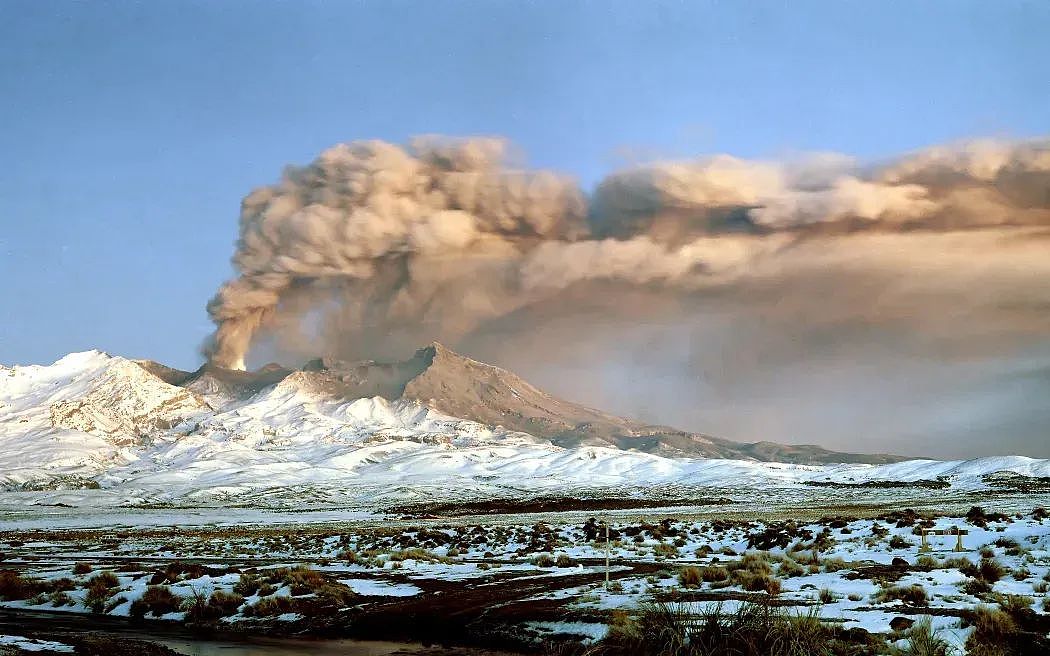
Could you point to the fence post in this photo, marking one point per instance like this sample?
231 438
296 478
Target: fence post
606 555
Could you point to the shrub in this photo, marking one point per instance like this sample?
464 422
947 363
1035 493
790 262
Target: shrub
754 629
350 556
991 570
914 595
82 568
826 596
112 604
271 606
565 561
926 562
789 568
220 604
690 577
15 587
993 630
103 580
247 584
664 550
714 573
158 599
834 564
543 560
976 587
1015 605
898 542
416 553
756 581
922 641
302 580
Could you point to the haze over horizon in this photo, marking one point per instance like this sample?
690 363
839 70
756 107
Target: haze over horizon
133 134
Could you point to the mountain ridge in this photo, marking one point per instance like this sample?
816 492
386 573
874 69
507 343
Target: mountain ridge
460 386
136 438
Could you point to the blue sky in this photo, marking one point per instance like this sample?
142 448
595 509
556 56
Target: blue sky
130 131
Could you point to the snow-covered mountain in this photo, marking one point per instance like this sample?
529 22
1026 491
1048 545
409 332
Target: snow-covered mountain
438 422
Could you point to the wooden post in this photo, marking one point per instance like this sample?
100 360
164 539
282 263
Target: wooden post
925 546
606 555
958 540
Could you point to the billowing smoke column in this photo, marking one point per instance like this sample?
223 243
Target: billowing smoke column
432 239
363 211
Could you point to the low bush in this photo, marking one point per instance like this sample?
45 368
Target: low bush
664 550
15 587
754 629
200 608
834 564
789 568
247 585
82 568
565 561
158 600
270 607
993 633
898 542
922 641
976 587
99 589
914 595
690 577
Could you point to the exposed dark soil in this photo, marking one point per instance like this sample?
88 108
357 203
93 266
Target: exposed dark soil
546 505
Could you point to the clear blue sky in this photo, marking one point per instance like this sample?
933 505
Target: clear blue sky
130 131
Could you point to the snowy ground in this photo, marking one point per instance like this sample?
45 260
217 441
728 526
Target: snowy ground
538 579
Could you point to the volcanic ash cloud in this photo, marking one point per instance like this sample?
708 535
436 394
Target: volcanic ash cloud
374 247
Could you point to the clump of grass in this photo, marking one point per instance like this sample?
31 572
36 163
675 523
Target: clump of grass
976 587
415 553
247 585
270 607
564 560
922 641
302 580
82 568
898 542
15 587
158 600
754 629
543 560
926 562
834 564
1015 604
100 588
826 596
914 595
994 633
201 608
664 550
690 577
789 568
989 570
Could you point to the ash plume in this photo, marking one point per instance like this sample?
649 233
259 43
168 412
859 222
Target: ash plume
375 247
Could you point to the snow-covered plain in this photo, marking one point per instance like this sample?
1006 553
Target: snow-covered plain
92 420
548 579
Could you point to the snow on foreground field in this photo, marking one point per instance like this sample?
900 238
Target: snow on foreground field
94 421
529 581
